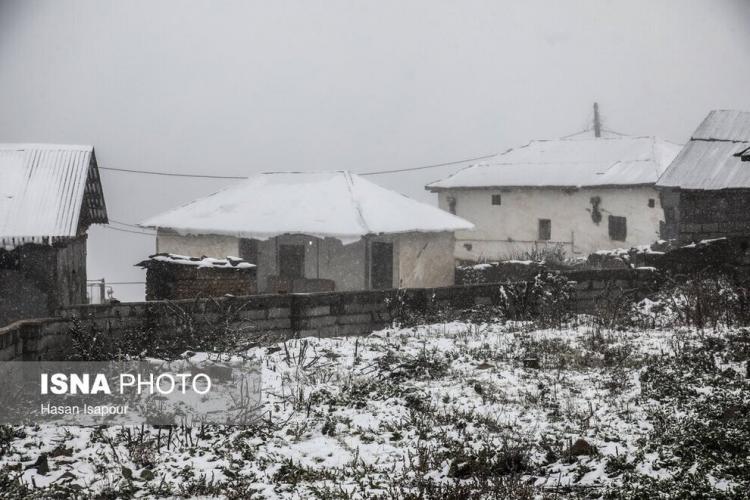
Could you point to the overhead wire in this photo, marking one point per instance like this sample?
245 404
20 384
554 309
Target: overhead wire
234 177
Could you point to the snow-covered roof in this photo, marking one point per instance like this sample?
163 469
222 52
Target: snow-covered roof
575 161
201 262
713 157
323 204
47 193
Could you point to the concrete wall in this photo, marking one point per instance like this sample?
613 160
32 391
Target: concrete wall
512 227
272 318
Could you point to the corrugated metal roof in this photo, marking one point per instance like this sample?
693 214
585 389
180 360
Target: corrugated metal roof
340 205
575 161
712 159
724 125
47 193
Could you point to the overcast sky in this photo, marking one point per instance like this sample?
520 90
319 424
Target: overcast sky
237 87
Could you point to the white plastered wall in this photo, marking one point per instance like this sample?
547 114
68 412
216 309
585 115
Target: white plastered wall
419 259
425 260
197 246
507 229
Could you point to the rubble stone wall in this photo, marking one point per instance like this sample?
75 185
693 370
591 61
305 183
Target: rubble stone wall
278 317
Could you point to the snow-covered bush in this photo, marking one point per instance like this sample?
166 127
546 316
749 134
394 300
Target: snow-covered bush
701 427
546 300
701 301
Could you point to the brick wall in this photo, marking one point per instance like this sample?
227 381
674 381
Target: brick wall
277 317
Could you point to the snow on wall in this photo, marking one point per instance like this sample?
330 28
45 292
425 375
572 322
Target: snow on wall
199 262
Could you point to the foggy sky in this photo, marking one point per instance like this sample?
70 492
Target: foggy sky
237 87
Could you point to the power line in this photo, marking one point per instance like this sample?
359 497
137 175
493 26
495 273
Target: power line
374 172
126 224
128 230
171 174
378 172
200 176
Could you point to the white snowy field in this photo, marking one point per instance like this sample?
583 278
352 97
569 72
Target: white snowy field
452 410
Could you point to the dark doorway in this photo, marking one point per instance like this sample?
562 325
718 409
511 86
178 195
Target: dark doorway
292 261
382 265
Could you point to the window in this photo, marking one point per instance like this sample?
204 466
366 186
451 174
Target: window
452 204
497 199
545 229
618 228
651 203
292 261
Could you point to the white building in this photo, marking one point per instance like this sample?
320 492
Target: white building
317 231
584 193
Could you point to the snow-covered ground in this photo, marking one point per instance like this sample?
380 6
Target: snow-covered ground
445 409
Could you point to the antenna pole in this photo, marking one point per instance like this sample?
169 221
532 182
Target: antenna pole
597 121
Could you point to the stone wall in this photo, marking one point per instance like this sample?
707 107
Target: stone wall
175 281
277 317
601 288
44 277
493 272
701 215
35 339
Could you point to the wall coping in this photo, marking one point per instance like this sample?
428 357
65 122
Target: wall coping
17 325
302 297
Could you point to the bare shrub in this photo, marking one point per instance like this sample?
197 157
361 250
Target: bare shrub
706 301
553 255
547 300
219 332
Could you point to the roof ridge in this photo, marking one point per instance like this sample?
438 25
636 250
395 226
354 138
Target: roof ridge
272 172
355 202
23 146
